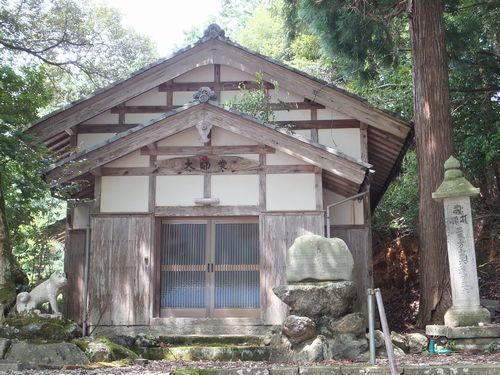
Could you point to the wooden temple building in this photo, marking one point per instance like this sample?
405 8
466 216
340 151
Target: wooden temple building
183 210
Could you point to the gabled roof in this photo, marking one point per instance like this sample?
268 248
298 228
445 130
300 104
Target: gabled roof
217 49
388 135
348 170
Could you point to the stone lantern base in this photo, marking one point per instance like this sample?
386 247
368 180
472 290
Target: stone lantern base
485 337
466 317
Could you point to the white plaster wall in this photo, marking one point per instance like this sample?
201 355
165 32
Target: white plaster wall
228 73
86 140
284 96
178 190
204 73
182 97
347 141
290 192
134 159
222 137
188 137
140 118
347 213
104 118
151 97
280 158
124 193
80 216
228 95
296 114
236 190
306 133
330 114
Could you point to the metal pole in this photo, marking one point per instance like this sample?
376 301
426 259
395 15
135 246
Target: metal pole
86 276
387 333
359 195
371 326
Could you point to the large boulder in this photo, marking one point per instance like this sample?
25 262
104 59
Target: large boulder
310 351
350 323
54 355
102 349
345 345
416 342
314 257
299 328
334 299
33 327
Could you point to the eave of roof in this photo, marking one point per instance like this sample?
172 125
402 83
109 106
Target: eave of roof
121 136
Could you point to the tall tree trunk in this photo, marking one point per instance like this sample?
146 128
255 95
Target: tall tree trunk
434 146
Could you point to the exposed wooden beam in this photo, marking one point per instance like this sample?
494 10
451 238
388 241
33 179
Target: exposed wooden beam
282 106
297 125
363 129
207 211
290 106
103 128
160 171
227 85
321 124
143 108
207 150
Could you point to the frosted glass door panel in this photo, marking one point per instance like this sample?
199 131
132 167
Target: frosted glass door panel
237 260
183 266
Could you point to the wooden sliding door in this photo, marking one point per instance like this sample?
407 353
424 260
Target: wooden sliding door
210 268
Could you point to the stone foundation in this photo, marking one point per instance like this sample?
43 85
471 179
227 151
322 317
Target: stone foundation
322 324
485 337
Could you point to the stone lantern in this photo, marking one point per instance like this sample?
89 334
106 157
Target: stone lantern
455 191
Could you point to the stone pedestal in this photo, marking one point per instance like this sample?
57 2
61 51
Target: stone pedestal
455 191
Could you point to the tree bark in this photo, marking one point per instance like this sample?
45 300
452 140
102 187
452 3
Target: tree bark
434 145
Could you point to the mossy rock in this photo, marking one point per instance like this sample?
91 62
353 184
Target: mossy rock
101 349
38 328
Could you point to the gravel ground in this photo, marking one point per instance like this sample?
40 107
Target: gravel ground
165 367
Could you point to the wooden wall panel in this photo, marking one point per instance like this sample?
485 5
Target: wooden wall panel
120 270
278 232
74 262
359 242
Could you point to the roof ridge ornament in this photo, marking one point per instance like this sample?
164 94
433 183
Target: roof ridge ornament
213 31
204 94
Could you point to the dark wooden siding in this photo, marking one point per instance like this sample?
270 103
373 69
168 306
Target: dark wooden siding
358 239
120 270
74 262
278 231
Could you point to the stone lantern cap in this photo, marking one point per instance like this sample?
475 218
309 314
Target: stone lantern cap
454 184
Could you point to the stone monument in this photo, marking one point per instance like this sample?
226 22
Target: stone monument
466 319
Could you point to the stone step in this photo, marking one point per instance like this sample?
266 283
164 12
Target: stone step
220 340
206 353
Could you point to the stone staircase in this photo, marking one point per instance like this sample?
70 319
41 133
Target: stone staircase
206 348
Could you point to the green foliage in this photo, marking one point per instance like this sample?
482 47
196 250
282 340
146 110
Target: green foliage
82 45
397 212
357 38
51 52
255 102
473 42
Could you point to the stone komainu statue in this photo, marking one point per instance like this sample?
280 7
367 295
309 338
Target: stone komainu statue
45 292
